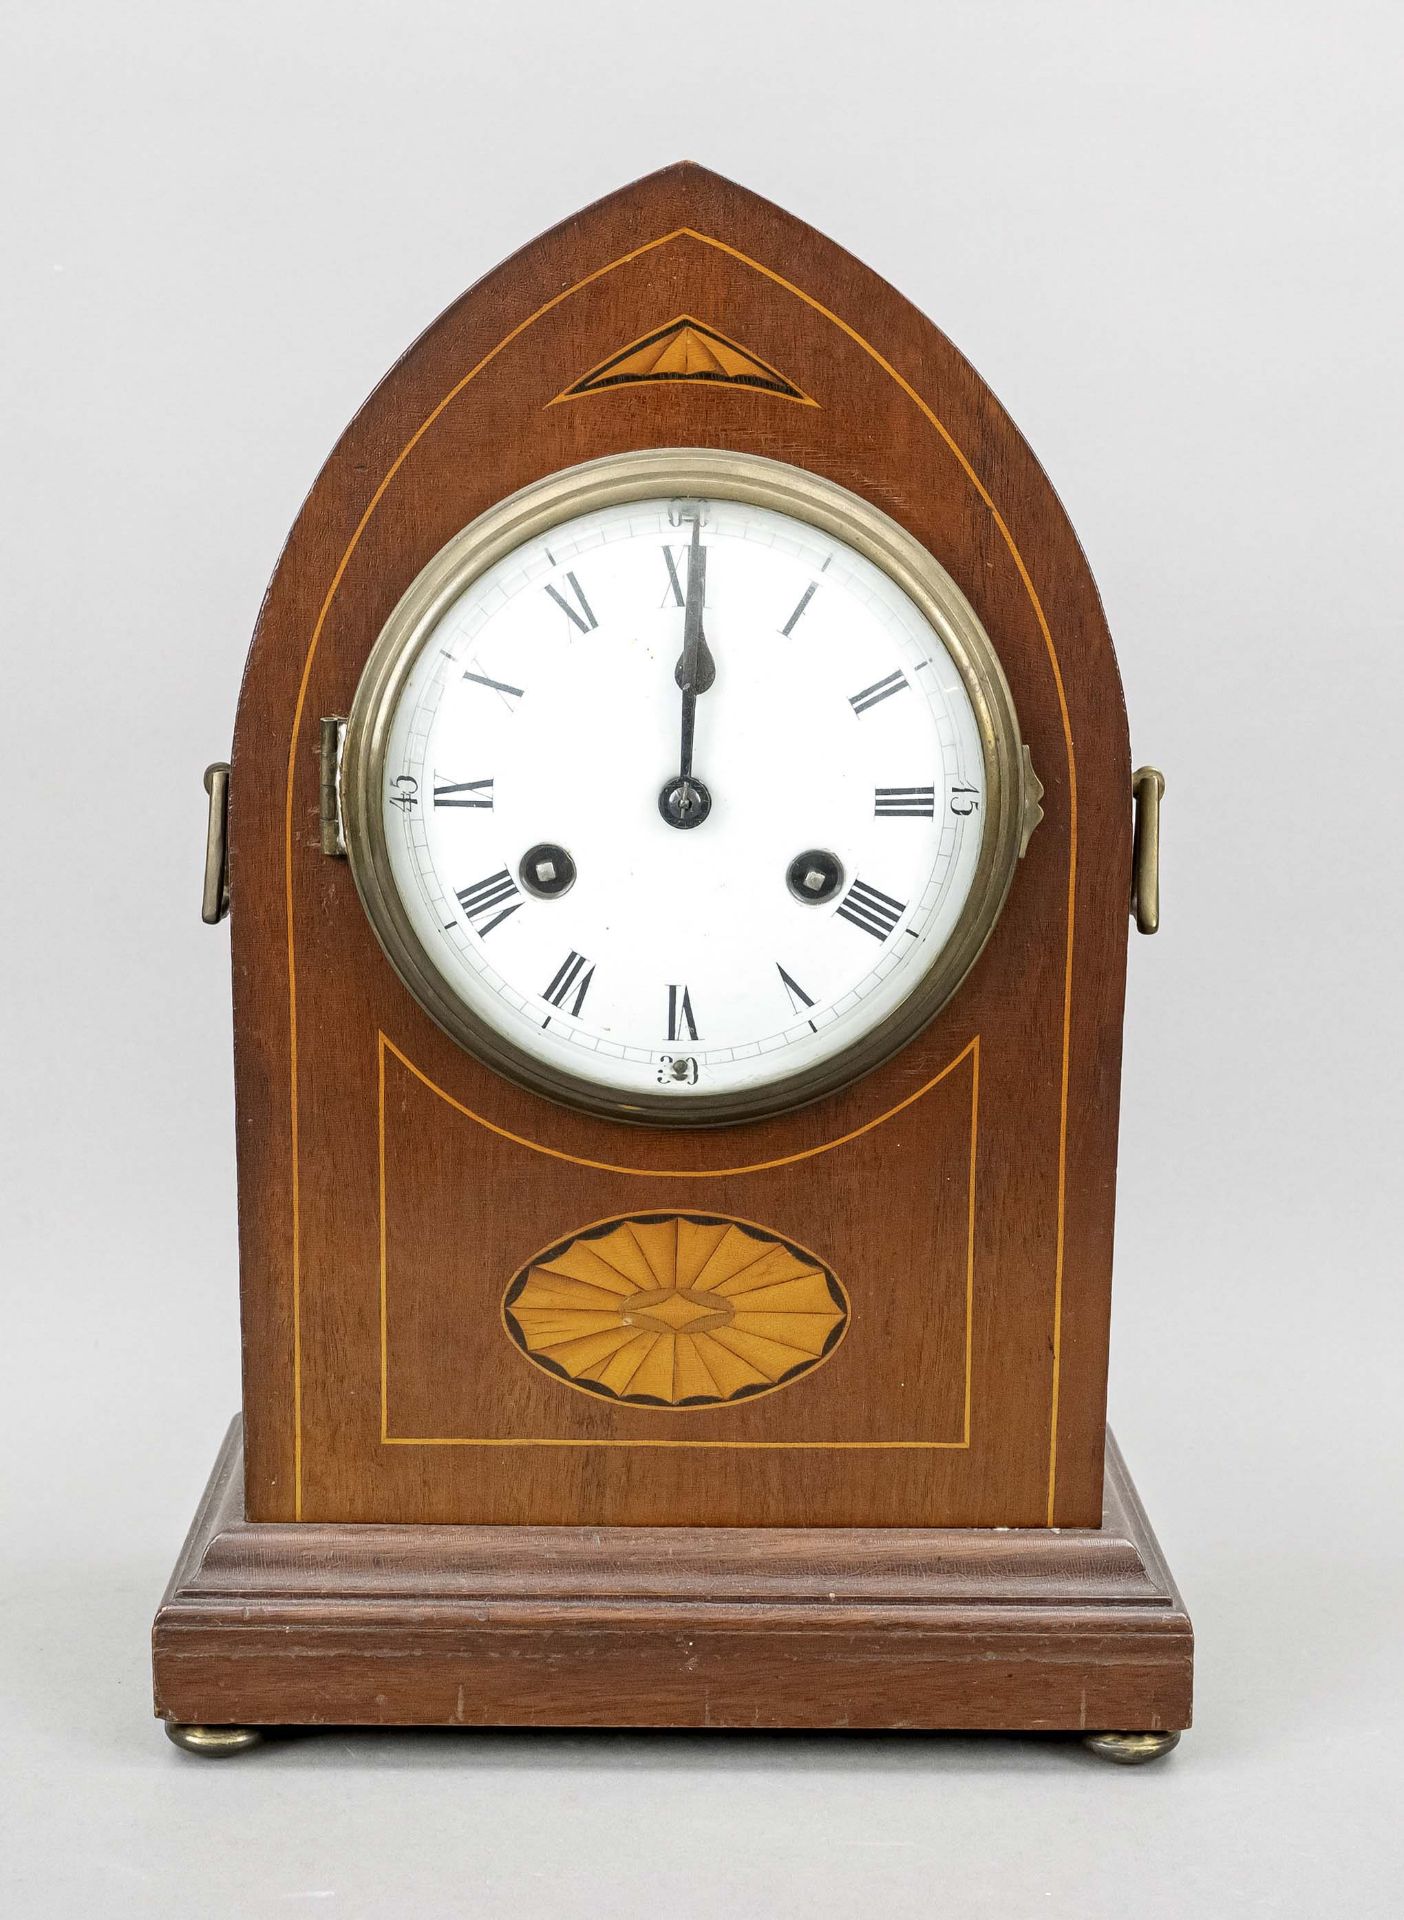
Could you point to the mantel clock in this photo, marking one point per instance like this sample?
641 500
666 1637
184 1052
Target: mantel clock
678 847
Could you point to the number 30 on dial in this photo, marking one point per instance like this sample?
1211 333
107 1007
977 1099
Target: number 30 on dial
684 787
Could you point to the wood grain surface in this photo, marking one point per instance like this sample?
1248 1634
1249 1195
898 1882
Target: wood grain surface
671 1626
390 1186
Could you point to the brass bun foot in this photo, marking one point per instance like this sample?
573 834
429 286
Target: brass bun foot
213 1743
1130 1749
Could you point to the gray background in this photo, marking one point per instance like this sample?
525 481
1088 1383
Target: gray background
1168 237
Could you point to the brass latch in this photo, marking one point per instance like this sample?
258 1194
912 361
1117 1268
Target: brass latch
1147 786
1033 804
215 903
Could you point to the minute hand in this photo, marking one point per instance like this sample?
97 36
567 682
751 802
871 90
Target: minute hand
696 669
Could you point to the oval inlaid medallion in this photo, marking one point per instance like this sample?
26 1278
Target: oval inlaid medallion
676 1310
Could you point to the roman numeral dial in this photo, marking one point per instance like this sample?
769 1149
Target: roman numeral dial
683 796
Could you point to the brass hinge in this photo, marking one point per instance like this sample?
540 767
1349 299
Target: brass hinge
1147 787
333 737
215 901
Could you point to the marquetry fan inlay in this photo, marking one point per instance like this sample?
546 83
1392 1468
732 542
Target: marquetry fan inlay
676 1310
685 350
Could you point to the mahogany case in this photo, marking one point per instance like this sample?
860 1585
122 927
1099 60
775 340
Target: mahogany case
391 1186
925 1525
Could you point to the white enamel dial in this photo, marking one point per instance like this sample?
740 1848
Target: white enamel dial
653 924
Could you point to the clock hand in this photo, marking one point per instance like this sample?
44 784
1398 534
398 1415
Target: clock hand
696 669
685 802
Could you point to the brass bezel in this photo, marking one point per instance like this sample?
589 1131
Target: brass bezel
662 473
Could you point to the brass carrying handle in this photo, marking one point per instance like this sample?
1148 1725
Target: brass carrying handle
1147 788
215 902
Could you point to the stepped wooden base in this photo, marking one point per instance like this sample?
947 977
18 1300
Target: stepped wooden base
264 1625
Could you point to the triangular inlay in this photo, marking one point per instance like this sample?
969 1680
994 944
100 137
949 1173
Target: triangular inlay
686 350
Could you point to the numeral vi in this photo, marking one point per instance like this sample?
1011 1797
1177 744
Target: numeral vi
681 1023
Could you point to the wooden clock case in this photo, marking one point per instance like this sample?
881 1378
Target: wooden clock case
412 1523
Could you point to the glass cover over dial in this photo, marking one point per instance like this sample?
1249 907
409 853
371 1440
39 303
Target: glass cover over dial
674 806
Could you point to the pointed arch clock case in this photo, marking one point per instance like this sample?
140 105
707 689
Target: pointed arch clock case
622 1346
